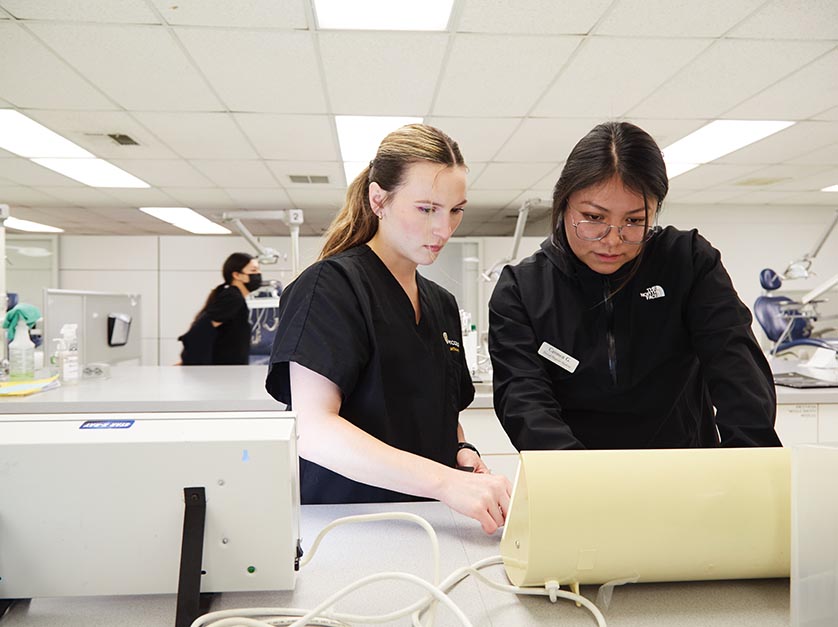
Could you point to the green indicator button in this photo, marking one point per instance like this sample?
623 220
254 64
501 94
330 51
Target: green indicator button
251 569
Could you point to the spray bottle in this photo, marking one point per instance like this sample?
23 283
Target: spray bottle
21 353
67 355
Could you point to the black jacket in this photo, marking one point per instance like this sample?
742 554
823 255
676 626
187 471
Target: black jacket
654 359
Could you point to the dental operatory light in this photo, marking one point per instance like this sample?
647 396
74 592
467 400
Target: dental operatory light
32 227
186 219
419 15
24 137
714 140
360 135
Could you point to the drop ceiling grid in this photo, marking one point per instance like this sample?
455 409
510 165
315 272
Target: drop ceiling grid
112 57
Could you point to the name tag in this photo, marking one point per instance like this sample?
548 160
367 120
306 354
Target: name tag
558 357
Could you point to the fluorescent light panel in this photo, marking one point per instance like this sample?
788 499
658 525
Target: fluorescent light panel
359 137
26 138
427 15
26 225
715 140
831 188
93 172
186 219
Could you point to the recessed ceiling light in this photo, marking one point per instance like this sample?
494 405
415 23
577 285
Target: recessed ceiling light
186 219
430 15
831 188
359 137
715 140
26 225
25 137
93 172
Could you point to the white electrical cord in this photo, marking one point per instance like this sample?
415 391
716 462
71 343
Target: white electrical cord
321 615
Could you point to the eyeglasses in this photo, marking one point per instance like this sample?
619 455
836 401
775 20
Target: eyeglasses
591 231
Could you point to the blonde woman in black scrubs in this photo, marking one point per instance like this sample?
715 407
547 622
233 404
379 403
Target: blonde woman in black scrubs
369 353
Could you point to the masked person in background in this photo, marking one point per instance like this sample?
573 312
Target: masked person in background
368 353
220 334
618 334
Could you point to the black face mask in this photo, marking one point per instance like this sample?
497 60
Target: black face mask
254 282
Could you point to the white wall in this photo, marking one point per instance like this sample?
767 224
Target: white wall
174 274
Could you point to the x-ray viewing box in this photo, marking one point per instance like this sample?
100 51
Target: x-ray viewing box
94 505
594 517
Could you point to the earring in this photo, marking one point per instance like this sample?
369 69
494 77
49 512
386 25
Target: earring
380 216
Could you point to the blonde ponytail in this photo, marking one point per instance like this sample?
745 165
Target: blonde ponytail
356 223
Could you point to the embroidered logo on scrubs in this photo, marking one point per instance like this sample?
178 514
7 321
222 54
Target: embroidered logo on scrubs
453 345
651 293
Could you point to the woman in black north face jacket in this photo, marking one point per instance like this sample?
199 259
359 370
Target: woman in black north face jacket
617 334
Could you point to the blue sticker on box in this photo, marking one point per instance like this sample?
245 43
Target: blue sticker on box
107 424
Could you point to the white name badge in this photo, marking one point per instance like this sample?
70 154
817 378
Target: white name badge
558 357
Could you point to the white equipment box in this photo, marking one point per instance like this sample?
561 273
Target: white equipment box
94 504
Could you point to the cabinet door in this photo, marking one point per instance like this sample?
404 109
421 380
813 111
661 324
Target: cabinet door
797 423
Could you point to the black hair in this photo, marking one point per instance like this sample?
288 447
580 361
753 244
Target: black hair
610 149
234 263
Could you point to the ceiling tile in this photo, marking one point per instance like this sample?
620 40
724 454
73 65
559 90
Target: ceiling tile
545 139
608 76
479 138
228 173
289 14
495 75
112 57
201 199
703 197
511 175
164 172
727 73
531 17
709 175
30 73
381 55
16 196
142 197
829 114
474 172
674 18
827 155
284 169
817 81
262 199
813 198
789 178
26 172
479 201
791 142
90 130
199 135
291 137
88 197
317 199
792 19
761 197
112 11
258 71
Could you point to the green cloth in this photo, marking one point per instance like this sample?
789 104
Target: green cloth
29 313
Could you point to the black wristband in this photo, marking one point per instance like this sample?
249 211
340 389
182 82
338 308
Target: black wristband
471 447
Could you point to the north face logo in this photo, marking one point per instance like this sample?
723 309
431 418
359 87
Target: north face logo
651 293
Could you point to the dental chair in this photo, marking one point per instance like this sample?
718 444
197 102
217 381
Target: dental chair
787 323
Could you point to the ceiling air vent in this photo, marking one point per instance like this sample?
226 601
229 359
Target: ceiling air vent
309 179
123 140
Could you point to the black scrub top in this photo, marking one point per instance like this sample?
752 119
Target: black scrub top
348 319
232 342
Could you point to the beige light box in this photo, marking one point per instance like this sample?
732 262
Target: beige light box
594 517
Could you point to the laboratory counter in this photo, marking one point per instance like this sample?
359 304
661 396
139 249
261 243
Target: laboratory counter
351 552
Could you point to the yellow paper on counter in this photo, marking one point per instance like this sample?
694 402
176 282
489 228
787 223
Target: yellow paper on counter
26 387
